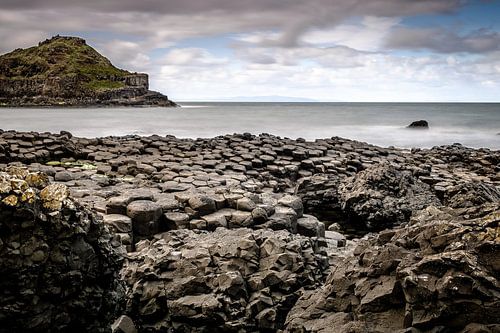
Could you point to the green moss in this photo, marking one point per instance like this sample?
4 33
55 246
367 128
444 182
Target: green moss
62 57
78 164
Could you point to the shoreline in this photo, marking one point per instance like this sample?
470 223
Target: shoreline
249 233
279 137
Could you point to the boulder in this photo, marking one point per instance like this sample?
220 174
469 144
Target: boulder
383 196
419 124
145 215
309 226
202 204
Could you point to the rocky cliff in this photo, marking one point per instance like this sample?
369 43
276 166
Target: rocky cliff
59 269
66 71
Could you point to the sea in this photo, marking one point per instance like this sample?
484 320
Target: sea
470 124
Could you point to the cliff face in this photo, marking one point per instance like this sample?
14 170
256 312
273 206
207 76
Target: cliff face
66 71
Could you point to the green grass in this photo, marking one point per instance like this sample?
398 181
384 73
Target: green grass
61 57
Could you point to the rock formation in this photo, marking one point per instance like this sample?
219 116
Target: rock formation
58 269
244 233
382 196
419 124
65 71
226 280
439 274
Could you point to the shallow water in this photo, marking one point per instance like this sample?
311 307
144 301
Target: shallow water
474 125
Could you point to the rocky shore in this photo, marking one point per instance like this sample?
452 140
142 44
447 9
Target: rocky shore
245 233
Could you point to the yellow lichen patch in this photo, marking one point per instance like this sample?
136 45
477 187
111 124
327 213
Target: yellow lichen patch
37 179
11 200
5 186
53 196
28 196
19 185
18 172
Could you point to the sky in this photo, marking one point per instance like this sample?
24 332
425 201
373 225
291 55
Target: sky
325 50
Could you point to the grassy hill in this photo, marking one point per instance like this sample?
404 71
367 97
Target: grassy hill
62 57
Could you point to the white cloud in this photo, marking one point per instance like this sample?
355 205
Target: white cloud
193 57
367 35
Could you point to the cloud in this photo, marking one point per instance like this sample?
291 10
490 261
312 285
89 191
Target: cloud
322 49
379 7
127 54
444 41
160 21
194 57
368 35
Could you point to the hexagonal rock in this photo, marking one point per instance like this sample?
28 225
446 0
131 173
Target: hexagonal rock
145 217
118 205
240 219
217 219
259 215
63 176
118 223
293 202
310 226
177 220
245 204
202 204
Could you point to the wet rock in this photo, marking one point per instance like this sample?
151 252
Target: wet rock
419 124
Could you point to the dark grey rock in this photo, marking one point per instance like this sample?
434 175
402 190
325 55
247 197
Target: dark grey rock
419 124
145 217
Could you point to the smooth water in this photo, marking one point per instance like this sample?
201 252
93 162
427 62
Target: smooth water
474 125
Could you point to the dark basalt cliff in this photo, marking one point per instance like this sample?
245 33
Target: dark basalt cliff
65 71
